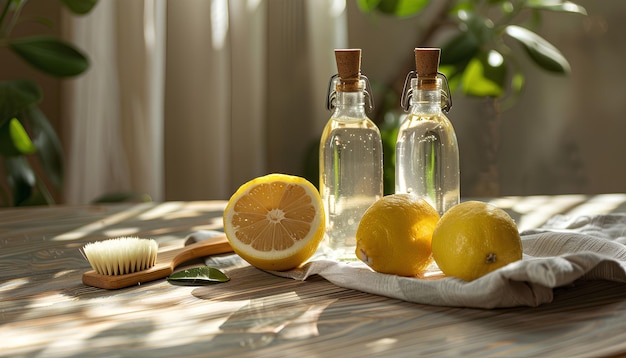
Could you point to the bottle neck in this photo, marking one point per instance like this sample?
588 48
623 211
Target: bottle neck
349 105
426 101
426 95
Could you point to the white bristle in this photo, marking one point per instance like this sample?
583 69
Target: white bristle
121 255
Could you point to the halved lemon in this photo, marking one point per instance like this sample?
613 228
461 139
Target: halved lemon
275 222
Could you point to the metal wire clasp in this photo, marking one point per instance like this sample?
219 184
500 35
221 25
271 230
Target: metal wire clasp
332 93
407 92
446 97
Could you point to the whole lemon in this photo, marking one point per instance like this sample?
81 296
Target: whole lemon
474 238
394 235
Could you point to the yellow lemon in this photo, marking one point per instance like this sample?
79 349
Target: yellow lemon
275 222
394 235
474 238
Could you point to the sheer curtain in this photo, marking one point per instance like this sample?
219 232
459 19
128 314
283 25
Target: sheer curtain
187 99
114 116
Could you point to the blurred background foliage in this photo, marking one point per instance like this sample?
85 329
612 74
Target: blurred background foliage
482 42
30 150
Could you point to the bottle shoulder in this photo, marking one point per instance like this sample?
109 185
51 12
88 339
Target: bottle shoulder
426 120
351 122
362 121
339 130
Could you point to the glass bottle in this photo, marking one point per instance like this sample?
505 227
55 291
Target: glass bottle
351 158
427 152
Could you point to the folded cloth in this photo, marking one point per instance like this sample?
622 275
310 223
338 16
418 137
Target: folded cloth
563 250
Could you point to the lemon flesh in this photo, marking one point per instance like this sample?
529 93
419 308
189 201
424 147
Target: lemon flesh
275 222
394 235
474 238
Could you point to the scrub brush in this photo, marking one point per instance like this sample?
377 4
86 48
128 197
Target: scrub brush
129 261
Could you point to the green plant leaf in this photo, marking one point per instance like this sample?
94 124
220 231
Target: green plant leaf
410 7
21 178
50 55
556 5
478 82
20 137
49 148
494 67
462 6
481 27
14 140
16 96
400 8
367 5
459 50
203 275
517 82
543 53
80 7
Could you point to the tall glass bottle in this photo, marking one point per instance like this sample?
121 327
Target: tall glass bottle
351 158
427 153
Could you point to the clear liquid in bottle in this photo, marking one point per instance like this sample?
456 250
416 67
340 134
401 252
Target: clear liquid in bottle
350 180
427 160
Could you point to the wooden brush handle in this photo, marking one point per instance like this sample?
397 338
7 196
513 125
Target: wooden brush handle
167 260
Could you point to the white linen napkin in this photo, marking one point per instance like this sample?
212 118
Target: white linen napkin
562 251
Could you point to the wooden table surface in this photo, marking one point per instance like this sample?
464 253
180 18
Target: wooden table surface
45 310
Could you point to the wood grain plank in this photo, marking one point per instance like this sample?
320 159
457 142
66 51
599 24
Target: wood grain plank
45 310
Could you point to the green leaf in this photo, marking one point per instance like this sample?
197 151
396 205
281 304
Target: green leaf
401 8
478 81
543 53
462 6
494 67
80 7
203 275
20 177
460 49
49 148
517 82
16 96
14 140
410 7
480 27
20 137
51 55
507 8
556 5
367 5
456 54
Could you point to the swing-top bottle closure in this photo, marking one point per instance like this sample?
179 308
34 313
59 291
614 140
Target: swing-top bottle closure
349 78
426 77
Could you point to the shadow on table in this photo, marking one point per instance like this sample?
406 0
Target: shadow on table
281 310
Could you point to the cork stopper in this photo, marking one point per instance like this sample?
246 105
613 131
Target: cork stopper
426 67
349 69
